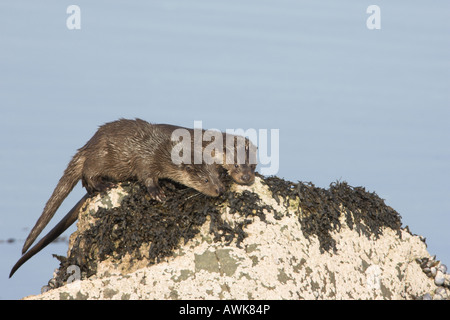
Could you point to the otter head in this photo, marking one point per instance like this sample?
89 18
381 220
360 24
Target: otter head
240 161
241 173
203 178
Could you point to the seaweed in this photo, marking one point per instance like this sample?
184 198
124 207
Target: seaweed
319 209
164 226
139 220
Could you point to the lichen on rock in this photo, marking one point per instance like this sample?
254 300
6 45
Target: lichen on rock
320 209
274 239
120 232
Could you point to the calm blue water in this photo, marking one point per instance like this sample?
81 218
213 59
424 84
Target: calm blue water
370 107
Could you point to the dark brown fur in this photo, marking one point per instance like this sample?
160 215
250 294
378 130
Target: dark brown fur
242 172
126 150
62 226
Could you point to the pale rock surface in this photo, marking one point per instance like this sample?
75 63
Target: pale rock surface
274 261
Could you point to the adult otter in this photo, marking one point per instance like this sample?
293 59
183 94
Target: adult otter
126 150
241 170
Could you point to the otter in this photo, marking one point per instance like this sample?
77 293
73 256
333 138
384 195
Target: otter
242 171
126 150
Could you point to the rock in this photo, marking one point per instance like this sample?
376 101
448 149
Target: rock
272 240
439 279
427 296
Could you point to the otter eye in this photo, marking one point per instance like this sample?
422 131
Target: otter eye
206 180
236 166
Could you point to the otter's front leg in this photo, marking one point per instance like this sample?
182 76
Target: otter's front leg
154 190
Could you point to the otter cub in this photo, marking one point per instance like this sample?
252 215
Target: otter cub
242 172
241 168
126 150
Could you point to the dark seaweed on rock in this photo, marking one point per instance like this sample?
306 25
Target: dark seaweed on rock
319 209
140 220
164 226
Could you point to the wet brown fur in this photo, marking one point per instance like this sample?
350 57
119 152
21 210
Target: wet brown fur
62 226
126 150
241 172
100 144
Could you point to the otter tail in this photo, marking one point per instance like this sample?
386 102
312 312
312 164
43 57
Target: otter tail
65 185
62 226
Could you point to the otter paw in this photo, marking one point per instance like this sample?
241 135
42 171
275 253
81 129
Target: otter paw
105 185
156 193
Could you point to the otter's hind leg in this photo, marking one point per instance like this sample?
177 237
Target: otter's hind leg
97 184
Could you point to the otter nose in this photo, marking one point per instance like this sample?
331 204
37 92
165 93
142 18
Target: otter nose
220 190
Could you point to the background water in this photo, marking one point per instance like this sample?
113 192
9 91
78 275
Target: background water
370 107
